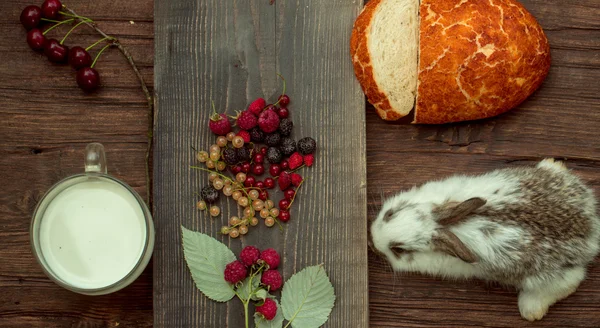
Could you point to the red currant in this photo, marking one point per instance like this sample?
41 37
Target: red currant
269 183
285 165
275 170
236 169
258 169
284 100
289 194
259 158
283 112
263 195
246 167
284 204
250 180
263 150
259 185
284 215
271 107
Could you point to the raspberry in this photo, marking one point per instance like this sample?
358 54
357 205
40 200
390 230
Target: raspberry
209 194
272 279
270 257
296 179
272 139
256 135
235 272
268 121
268 309
249 255
296 161
245 135
243 154
219 124
309 160
229 155
285 127
285 180
273 155
288 146
246 120
307 145
257 106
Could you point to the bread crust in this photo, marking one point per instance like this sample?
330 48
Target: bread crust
478 58
363 68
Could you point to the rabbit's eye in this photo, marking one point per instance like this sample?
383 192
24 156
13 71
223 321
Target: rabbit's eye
388 216
397 249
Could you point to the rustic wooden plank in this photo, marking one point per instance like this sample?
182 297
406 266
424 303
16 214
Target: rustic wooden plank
230 52
45 123
559 120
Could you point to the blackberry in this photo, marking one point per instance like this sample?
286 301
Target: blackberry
256 135
230 156
288 146
272 139
307 145
209 194
285 127
243 154
274 155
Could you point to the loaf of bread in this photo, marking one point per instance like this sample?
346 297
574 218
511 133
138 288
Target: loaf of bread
450 60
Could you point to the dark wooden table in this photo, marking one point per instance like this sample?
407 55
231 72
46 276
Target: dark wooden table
45 122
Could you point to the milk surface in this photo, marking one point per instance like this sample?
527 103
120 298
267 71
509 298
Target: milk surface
93 233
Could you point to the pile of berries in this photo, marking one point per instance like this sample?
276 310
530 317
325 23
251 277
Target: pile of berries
253 262
242 155
32 18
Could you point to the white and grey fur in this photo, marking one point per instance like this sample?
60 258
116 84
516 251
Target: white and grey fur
535 228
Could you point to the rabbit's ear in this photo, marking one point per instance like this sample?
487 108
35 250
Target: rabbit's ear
446 241
452 213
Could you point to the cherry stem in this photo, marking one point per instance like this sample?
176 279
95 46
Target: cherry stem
296 193
71 30
98 55
49 20
96 43
283 92
57 24
72 14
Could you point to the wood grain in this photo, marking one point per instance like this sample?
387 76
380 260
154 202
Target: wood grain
560 120
45 123
230 52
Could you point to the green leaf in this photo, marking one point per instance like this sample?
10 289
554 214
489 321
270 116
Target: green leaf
260 295
307 298
206 258
245 290
277 322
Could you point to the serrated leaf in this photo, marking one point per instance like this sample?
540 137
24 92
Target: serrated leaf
206 258
260 295
307 298
245 290
277 322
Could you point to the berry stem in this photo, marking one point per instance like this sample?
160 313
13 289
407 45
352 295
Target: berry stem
221 175
296 193
283 92
71 30
96 43
58 24
49 20
72 14
246 313
98 55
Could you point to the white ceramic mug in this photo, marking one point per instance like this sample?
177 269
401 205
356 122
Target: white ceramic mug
91 232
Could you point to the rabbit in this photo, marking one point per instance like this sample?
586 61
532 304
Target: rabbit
534 228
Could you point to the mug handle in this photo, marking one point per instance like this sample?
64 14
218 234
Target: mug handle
95 159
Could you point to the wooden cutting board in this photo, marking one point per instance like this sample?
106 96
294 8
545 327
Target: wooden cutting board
229 52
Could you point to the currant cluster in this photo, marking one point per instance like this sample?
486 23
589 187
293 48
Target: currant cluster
253 263
33 17
263 139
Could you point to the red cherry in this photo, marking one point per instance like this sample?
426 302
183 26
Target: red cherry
263 195
258 169
275 170
79 58
246 167
55 51
284 204
284 216
269 183
31 16
284 100
250 180
259 158
235 169
50 8
285 165
263 150
283 112
88 79
259 185
36 39
289 194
